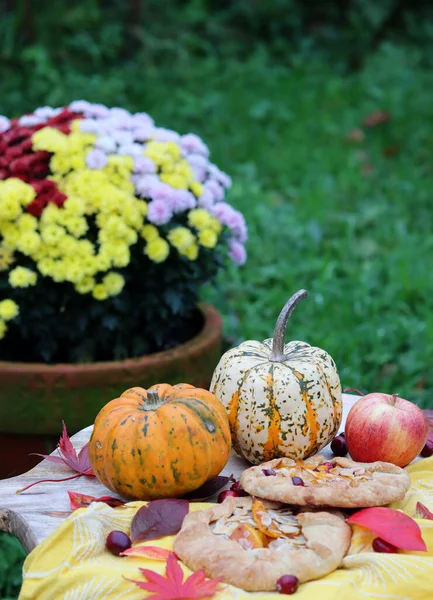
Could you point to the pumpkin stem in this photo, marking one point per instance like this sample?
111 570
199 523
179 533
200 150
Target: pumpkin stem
277 353
153 401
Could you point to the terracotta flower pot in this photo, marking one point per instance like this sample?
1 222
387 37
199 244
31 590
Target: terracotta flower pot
35 397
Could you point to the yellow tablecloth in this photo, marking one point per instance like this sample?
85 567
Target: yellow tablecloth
72 564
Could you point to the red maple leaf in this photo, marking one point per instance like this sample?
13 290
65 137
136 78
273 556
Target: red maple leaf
423 511
172 586
78 500
68 456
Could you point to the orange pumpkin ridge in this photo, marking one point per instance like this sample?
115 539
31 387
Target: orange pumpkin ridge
270 448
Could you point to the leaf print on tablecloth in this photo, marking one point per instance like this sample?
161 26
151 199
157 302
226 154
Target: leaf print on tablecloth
373 571
95 589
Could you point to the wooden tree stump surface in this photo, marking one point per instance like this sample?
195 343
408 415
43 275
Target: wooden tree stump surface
33 515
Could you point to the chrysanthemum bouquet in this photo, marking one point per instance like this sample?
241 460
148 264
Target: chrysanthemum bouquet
109 225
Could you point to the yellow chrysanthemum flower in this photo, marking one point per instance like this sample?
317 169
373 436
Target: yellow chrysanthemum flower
191 252
100 292
175 180
52 234
114 283
183 168
77 226
172 149
3 329
8 309
68 245
119 162
102 260
50 140
181 238
118 252
28 242
77 161
18 190
11 235
149 233
60 163
85 285
22 277
58 272
51 214
46 266
157 250
199 218
27 222
133 214
10 207
215 225
75 205
6 258
73 270
207 238
196 188
84 248
142 206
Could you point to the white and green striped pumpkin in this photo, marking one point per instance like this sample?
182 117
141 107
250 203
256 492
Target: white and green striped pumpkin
282 400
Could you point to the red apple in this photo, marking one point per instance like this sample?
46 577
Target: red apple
385 427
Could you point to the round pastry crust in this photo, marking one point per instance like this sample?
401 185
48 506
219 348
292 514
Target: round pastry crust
327 542
386 483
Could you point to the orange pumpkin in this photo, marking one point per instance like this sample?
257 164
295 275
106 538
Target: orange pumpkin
159 443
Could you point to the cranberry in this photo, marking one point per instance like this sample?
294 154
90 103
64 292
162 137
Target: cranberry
117 542
428 449
269 472
297 481
226 493
287 584
236 487
339 446
379 545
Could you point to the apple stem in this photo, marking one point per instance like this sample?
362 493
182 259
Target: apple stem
347 390
394 398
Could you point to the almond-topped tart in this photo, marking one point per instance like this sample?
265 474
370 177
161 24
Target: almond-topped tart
338 482
251 543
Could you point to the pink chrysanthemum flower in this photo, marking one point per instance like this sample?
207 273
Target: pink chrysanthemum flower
182 200
106 144
193 144
159 212
80 106
30 120
98 111
237 252
162 191
134 150
206 200
90 126
144 184
215 189
4 124
144 165
143 133
96 159
161 134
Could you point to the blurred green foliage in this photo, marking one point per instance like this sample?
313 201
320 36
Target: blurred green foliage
92 34
11 559
271 87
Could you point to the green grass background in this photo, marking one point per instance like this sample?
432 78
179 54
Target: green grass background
350 222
